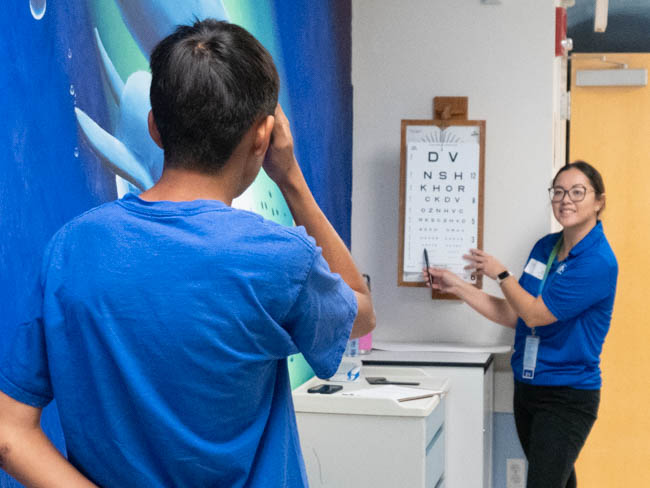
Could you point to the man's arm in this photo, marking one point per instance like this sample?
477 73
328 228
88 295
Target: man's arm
27 454
282 167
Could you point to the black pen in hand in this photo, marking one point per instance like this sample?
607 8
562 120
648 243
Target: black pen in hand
426 262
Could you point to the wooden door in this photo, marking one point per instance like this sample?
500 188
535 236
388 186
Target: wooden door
610 128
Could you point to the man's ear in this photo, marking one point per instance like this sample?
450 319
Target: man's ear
153 130
263 135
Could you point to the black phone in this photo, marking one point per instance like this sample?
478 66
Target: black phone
325 389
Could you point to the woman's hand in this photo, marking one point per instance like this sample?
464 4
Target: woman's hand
483 263
443 280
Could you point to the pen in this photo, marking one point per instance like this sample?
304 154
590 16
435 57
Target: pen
426 262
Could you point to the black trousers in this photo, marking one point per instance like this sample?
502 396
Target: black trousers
553 423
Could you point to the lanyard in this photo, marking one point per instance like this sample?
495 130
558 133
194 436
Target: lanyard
551 258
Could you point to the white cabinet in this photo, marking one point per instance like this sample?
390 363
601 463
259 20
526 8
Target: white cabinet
469 409
373 442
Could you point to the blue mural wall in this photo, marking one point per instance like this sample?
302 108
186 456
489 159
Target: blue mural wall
71 134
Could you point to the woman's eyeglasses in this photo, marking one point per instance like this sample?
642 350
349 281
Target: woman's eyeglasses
576 193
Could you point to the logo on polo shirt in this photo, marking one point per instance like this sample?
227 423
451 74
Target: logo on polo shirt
561 268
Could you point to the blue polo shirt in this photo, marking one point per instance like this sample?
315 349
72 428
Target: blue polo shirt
579 292
162 329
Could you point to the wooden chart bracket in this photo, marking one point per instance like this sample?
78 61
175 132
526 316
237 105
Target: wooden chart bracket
450 108
441 192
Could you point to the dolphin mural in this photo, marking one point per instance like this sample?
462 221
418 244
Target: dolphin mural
150 21
127 150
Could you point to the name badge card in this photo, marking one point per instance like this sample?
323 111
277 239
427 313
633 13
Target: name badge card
535 268
530 357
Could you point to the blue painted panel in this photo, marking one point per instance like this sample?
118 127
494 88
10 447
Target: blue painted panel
506 446
315 39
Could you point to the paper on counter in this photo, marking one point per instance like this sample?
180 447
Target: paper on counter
393 392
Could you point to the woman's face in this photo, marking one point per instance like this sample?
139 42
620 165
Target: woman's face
572 214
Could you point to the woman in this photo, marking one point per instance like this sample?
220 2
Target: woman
561 309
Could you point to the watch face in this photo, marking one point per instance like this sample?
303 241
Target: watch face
504 275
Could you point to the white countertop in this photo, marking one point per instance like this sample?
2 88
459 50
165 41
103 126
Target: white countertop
343 403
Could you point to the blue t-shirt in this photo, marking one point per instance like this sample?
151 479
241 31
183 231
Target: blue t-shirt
162 329
579 292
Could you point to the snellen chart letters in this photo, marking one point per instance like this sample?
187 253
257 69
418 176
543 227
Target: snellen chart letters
441 195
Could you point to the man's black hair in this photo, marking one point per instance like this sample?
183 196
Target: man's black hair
210 82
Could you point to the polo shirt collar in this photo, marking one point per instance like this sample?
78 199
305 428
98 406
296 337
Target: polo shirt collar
589 240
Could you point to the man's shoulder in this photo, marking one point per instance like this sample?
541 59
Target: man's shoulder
101 214
268 230
230 227
297 235
94 214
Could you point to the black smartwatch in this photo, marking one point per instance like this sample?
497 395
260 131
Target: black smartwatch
502 276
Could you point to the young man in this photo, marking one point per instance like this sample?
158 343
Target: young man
162 323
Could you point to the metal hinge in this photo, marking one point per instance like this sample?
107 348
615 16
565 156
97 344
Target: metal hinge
565 106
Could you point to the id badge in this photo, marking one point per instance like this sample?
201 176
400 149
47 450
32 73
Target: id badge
530 357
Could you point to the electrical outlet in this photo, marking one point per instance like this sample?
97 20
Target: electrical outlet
515 473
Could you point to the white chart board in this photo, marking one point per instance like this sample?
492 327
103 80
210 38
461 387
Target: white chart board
441 197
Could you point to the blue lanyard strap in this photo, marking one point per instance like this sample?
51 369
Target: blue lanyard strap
551 258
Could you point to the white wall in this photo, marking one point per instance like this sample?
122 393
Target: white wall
500 56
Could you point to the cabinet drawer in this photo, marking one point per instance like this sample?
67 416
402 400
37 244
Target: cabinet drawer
435 421
435 459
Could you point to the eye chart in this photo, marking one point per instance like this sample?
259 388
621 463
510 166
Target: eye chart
441 197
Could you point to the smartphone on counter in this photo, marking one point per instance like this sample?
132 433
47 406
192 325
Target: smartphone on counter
325 389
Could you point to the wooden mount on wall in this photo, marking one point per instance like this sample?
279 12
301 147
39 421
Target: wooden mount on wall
450 108
448 113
